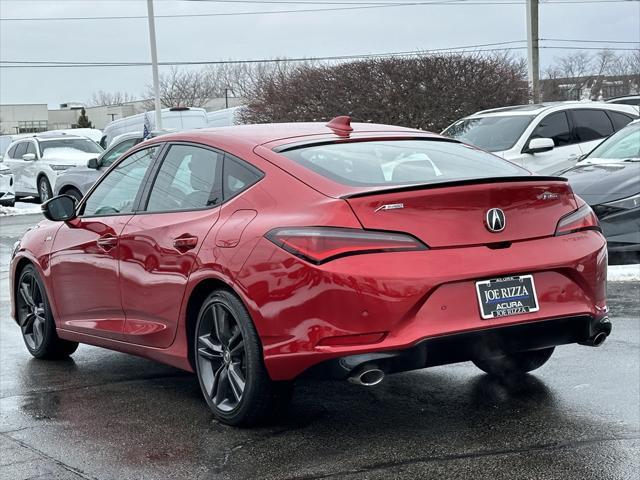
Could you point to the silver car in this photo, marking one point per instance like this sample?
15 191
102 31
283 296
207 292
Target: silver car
78 180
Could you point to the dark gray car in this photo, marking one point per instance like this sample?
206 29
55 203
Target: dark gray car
608 179
78 180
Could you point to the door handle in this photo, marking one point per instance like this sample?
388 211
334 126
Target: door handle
107 242
185 242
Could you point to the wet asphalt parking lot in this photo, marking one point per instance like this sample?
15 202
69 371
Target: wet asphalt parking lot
107 415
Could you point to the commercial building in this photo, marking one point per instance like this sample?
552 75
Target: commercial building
33 118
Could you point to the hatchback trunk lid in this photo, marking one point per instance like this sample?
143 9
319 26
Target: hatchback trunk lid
455 215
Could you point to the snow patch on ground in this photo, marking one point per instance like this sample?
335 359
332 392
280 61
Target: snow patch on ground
624 273
21 208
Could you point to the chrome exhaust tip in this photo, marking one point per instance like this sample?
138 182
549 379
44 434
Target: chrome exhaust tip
595 341
367 377
598 339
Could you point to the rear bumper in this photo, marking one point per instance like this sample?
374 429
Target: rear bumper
409 297
466 346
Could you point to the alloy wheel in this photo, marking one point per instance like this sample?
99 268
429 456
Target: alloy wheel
31 311
221 356
44 190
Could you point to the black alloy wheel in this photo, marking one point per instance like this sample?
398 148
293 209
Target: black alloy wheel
221 357
229 364
31 312
35 318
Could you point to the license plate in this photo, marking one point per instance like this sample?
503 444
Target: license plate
503 297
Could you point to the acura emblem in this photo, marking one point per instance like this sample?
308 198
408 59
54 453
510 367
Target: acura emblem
495 220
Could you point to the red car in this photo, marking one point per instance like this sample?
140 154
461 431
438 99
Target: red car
253 255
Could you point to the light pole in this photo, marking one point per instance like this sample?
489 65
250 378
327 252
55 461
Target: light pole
154 64
533 52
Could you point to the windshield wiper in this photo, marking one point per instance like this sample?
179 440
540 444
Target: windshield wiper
635 159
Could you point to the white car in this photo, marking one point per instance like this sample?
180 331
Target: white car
36 161
543 138
7 192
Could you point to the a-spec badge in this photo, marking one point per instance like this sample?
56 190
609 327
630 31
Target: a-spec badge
390 206
547 196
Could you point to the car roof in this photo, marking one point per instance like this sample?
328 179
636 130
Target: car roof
282 133
49 136
537 108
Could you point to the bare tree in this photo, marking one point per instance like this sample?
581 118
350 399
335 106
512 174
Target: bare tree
575 65
186 88
603 62
101 98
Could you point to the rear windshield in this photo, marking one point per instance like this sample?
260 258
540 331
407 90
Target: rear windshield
492 133
401 162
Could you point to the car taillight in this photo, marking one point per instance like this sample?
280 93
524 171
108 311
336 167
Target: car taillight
582 219
321 244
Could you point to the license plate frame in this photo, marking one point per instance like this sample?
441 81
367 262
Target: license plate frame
510 296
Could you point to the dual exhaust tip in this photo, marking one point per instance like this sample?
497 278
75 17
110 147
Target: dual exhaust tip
597 340
602 332
367 376
371 375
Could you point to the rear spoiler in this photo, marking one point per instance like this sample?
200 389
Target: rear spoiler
456 183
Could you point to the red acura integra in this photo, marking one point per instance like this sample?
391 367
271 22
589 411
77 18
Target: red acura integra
253 255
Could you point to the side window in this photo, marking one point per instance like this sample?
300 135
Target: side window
189 178
11 153
117 191
591 124
21 149
556 127
116 152
31 148
238 176
619 120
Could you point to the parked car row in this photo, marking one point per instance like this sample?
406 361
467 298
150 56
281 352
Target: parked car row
543 138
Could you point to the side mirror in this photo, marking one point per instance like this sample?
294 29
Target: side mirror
60 208
538 145
29 157
93 163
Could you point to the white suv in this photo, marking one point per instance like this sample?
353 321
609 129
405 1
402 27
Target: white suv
543 138
36 161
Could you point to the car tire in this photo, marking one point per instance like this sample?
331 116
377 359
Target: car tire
75 193
33 312
44 189
229 364
514 363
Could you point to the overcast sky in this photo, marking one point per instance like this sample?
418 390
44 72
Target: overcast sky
373 30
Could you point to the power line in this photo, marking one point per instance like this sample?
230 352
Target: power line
362 6
587 41
504 46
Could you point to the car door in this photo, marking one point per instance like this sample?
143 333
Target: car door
160 244
17 166
590 126
85 252
31 168
566 151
